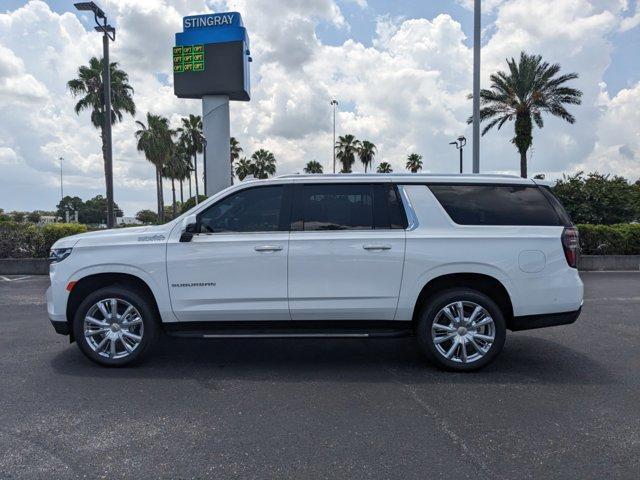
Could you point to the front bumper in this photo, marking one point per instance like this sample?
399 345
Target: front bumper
529 322
61 327
58 320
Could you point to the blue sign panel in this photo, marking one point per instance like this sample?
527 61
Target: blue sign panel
212 28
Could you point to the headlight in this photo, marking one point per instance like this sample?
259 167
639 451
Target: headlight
59 254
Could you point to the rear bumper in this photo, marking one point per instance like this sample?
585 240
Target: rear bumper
529 322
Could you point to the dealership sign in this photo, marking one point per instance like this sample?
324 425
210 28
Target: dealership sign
211 57
210 20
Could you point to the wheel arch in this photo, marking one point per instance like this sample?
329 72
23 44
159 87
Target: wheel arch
92 282
481 282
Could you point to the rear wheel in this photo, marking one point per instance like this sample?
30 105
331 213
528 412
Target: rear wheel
461 329
114 326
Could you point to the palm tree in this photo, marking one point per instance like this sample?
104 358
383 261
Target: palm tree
184 170
155 140
244 168
264 163
192 130
313 167
234 149
170 171
414 163
177 168
347 146
88 86
366 152
530 89
384 167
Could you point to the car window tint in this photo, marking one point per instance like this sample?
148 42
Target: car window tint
387 211
495 205
252 210
336 207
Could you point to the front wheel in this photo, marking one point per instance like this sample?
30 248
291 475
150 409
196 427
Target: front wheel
461 329
114 326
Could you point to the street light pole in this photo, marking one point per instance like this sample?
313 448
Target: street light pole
61 189
476 86
109 33
334 103
460 143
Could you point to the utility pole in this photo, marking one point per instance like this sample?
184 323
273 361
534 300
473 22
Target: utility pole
460 143
61 189
335 104
476 86
109 33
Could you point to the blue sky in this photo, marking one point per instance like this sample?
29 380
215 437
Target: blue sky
401 71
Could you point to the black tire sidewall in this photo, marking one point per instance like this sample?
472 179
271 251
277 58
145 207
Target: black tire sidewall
432 307
140 301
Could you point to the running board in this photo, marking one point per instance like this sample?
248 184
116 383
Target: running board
290 329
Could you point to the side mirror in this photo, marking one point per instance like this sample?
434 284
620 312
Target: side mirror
189 227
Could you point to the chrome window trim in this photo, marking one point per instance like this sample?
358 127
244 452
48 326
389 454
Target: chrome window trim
412 218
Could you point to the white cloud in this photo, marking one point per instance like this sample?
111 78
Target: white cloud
406 92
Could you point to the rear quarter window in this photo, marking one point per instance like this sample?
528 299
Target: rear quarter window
496 205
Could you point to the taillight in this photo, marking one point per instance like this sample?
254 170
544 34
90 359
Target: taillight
571 245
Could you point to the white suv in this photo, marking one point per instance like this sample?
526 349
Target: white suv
455 260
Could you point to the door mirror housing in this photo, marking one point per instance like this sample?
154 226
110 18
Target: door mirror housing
189 227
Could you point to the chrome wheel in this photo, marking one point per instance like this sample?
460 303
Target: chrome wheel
463 332
113 328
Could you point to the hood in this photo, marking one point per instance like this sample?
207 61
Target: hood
116 235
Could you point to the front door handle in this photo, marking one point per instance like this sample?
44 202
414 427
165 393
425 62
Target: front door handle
268 248
377 247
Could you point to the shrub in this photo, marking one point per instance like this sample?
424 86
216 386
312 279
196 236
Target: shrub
23 240
620 239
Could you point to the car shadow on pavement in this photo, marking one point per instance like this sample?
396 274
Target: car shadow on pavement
524 360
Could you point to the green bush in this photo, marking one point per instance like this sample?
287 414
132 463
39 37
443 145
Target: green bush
619 239
23 240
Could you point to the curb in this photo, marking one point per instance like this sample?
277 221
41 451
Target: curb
595 263
24 266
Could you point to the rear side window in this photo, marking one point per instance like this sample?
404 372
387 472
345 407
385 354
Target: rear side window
357 206
559 208
496 205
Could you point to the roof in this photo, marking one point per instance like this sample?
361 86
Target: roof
405 178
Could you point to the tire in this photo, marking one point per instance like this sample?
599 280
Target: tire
134 332
472 351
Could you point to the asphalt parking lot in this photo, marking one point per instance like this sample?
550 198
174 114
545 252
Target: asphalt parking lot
558 403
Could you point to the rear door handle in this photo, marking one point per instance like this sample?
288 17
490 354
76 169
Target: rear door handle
377 247
267 248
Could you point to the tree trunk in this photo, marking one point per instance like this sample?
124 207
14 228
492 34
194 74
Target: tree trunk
104 161
160 195
523 139
181 194
523 164
173 192
190 194
231 172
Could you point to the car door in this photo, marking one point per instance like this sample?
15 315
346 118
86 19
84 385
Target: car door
235 267
346 252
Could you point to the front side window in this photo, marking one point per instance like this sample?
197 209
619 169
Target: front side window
496 204
252 210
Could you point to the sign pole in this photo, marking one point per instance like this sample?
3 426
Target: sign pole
216 129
